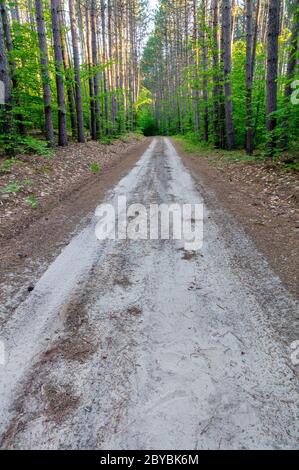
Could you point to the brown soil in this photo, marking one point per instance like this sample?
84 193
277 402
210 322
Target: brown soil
32 238
134 311
188 255
263 198
51 180
60 402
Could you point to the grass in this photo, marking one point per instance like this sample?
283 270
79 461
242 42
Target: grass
292 166
192 145
32 201
126 137
8 164
95 167
13 187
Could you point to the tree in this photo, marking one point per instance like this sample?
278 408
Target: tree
290 74
217 124
249 43
204 71
44 64
226 58
62 129
94 49
12 65
196 65
93 131
5 90
271 83
78 96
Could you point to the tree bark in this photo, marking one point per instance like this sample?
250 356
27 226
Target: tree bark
249 42
90 76
12 64
94 48
78 96
106 108
216 78
226 54
195 90
68 75
204 71
292 68
5 90
271 82
44 65
62 129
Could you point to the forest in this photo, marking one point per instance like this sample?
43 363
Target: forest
70 70
225 71
220 72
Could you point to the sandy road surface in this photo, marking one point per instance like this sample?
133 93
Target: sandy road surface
140 344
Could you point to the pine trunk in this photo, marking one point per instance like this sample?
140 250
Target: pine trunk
62 129
78 96
5 92
94 49
226 57
44 65
249 43
271 82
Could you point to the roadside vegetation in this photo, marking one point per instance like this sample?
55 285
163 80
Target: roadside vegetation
191 144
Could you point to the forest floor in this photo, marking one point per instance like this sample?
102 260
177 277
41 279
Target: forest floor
31 184
125 344
263 197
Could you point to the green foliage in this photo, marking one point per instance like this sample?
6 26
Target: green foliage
27 182
8 163
32 201
29 144
177 68
13 187
16 186
106 139
95 167
191 143
292 166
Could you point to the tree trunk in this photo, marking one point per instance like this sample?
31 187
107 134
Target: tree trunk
290 75
249 41
195 90
78 96
44 65
106 108
68 72
204 71
271 82
62 129
94 48
5 92
90 76
216 78
226 54
12 64
294 44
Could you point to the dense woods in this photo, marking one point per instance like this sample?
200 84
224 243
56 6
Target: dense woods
222 71
70 70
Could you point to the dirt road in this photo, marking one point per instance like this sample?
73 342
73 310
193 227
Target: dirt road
141 344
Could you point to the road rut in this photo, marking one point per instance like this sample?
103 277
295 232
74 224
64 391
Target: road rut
141 344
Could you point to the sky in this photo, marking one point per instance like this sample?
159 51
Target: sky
152 5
